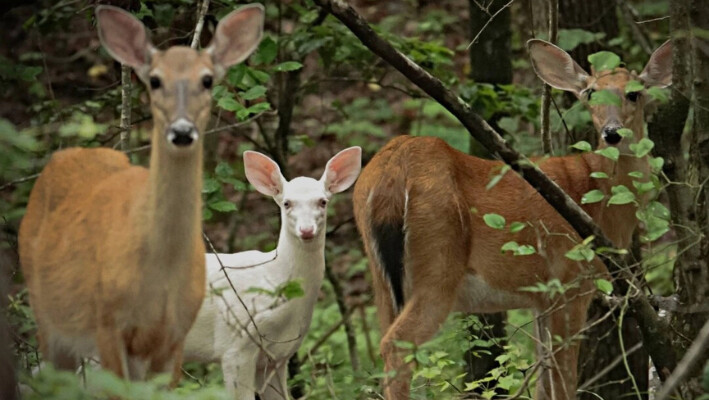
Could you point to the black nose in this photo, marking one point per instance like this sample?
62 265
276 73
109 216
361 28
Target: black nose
610 134
182 133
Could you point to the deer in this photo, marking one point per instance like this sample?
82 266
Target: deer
248 327
112 253
419 206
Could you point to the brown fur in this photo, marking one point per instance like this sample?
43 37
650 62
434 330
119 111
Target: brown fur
439 196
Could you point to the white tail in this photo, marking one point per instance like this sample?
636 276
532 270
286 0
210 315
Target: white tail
254 358
419 206
112 253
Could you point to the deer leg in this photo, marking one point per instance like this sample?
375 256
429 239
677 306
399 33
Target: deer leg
558 379
112 350
55 353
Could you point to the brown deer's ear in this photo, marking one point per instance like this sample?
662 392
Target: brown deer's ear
237 36
658 71
124 37
556 67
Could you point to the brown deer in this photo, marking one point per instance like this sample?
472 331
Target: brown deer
113 253
419 206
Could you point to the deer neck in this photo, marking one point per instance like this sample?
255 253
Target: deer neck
174 205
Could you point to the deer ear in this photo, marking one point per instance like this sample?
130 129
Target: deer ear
342 170
556 67
658 71
237 36
263 173
124 37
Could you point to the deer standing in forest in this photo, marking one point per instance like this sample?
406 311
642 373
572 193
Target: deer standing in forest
419 206
113 253
254 344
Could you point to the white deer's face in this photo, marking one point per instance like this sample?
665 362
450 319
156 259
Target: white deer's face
304 208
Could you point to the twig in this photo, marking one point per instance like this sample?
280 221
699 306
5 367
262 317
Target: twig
694 354
546 92
345 311
475 39
125 106
200 23
654 330
19 180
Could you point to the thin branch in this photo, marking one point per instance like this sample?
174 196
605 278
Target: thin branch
693 355
125 106
200 23
546 92
19 180
475 39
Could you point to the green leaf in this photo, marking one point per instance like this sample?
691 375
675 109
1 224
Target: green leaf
621 195
656 164
636 174
582 145
658 94
509 246
604 286
229 104
525 250
625 132
495 221
643 187
497 178
266 53
569 39
609 152
604 60
223 206
517 226
292 290
642 148
223 170
594 196
604 97
580 252
210 185
253 93
634 86
599 175
289 66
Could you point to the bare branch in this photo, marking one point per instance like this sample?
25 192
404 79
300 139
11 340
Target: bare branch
694 354
546 93
200 23
125 106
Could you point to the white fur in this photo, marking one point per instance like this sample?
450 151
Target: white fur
254 357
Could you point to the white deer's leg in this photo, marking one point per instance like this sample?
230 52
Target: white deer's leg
277 386
239 368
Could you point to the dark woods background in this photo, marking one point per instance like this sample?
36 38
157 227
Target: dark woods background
313 89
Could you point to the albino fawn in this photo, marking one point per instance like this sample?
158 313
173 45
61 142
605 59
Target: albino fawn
254 358
113 253
419 206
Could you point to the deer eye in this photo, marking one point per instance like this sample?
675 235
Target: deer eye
207 81
155 82
632 96
287 204
323 203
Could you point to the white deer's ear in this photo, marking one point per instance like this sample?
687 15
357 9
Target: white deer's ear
342 170
124 37
237 36
658 71
263 173
556 67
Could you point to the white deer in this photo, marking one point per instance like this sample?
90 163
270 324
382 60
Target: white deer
254 333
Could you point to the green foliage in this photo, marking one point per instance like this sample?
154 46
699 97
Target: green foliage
494 221
604 98
604 60
569 39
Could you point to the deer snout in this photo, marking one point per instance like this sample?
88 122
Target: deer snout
610 134
306 233
182 133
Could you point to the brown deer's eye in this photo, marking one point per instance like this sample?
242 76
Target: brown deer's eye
632 96
207 81
155 82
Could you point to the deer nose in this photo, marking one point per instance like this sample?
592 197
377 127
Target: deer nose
610 134
307 233
182 133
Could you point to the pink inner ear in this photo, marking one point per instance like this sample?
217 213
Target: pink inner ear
263 173
123 36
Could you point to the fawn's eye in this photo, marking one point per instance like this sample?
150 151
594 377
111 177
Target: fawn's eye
207 81
155 82
632 96
323 203
287 204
